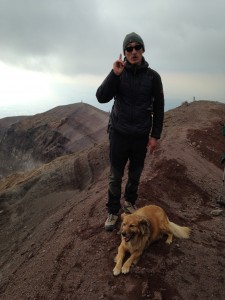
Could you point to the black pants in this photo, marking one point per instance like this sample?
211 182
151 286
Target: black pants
124 149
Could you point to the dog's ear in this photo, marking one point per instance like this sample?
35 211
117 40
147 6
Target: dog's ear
144 227
121 226
122 216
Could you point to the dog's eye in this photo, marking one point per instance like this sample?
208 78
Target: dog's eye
132 225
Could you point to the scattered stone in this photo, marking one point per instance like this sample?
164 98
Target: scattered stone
30 255
157 296
216 212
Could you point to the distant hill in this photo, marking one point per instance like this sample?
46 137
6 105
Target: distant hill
27 142
52 239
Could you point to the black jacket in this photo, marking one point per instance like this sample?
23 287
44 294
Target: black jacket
137 93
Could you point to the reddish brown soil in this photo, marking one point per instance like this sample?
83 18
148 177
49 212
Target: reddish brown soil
53 243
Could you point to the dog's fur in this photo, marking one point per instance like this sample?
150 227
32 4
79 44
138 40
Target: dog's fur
141 228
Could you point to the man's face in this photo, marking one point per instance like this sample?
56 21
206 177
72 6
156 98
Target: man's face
133 53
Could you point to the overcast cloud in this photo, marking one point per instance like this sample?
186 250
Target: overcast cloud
69 46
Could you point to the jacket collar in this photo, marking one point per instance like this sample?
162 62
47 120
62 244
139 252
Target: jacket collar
136 68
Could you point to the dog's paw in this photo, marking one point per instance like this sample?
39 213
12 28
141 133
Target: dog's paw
169 240
116 271
125 269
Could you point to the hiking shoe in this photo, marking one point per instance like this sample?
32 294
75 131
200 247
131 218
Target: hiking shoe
129 208
110 222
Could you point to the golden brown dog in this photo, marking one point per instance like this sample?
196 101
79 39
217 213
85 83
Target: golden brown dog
141 228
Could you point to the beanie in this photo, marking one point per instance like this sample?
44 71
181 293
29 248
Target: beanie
132 37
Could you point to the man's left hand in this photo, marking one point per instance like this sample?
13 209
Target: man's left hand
152 143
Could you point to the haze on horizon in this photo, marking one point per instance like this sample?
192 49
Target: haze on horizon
56 53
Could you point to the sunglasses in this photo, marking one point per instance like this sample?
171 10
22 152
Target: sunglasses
136 47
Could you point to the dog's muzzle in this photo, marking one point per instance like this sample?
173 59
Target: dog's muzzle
127 237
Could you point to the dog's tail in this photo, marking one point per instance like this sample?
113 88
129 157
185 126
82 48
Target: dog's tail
179 231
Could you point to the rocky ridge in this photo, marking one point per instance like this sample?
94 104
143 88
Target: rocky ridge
53 244
28 142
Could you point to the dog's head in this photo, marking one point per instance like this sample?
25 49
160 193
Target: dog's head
134 226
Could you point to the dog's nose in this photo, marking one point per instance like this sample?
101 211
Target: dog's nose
123 233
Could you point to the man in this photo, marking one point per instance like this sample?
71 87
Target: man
136 122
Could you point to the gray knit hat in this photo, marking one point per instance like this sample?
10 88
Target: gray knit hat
132 37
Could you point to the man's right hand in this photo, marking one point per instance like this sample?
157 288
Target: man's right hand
119 65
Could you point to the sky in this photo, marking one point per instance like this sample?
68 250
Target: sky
58 52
